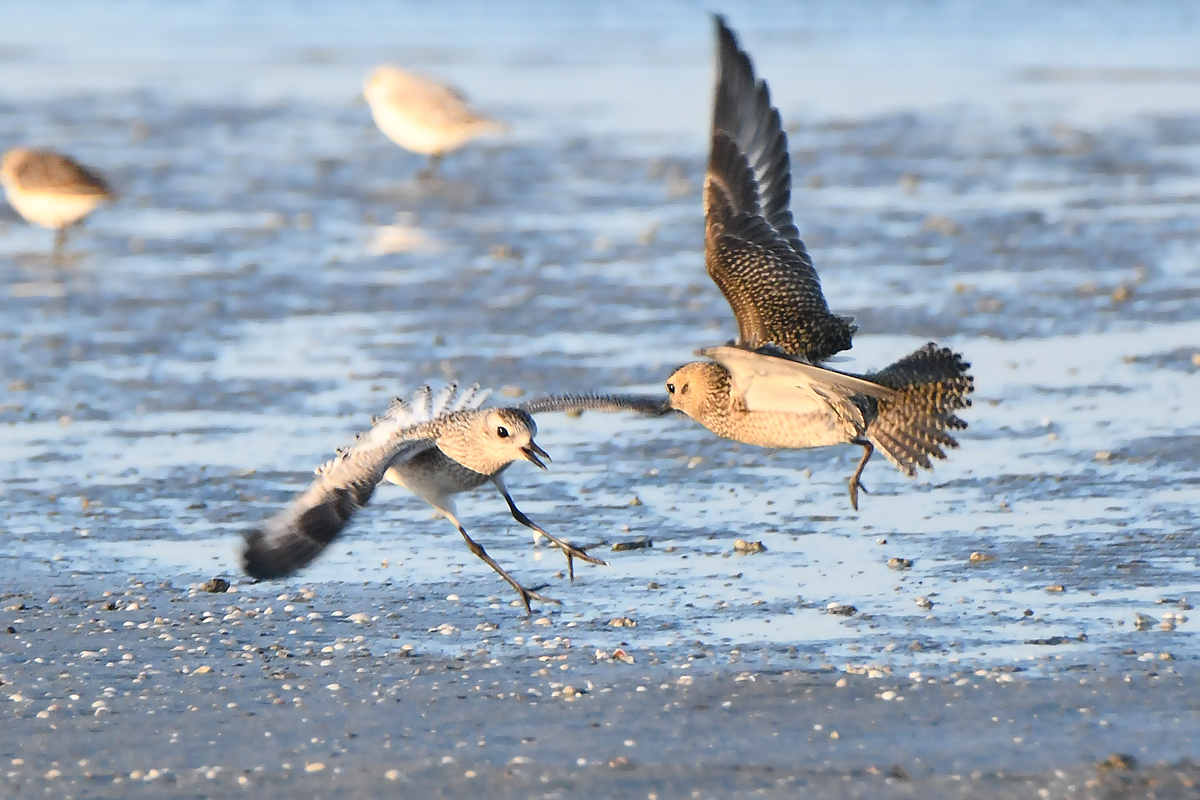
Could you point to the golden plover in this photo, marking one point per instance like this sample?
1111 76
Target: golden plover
436 446
51 190
767 387
422 115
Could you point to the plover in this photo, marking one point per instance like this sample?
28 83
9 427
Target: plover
436 446
767 388
51 190
422 115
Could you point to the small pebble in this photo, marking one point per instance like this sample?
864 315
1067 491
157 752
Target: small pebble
640 543
1117 761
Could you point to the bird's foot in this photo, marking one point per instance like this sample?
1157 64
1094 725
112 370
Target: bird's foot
528 595
572 552
854 487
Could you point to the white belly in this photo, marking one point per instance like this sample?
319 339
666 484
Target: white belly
420 135
52 210
434 477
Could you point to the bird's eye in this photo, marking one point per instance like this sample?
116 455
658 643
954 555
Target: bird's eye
502 432
684 389
671 388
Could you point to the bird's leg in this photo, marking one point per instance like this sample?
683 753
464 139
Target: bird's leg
477 549
571 551
60 241
868 449
431 167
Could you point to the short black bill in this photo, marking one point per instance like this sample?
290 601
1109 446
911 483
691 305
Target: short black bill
532 451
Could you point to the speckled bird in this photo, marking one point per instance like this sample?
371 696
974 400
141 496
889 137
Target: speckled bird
51 190
423 115
436 446
768 387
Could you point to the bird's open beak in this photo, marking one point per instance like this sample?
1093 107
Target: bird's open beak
532 452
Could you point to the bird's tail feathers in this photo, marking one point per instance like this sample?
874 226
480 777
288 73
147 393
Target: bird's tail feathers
485 125
932 383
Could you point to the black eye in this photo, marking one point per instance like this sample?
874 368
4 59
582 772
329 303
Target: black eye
502 432
671 388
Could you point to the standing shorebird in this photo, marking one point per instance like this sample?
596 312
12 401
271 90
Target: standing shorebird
422 115
767 388
51 190
436 446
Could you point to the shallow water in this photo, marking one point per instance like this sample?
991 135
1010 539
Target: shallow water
272 275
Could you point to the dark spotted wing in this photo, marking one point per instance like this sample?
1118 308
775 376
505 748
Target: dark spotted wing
752 248
654 405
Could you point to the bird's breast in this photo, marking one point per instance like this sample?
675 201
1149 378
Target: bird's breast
816 428
433 474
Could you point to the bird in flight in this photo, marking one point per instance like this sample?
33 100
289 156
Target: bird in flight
769 387
436 446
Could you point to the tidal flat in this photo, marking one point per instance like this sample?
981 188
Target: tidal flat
1017 622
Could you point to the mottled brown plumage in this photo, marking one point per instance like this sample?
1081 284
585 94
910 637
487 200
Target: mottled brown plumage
752 249
768 388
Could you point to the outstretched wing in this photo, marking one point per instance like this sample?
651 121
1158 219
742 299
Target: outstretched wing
752 249
654 405
295 536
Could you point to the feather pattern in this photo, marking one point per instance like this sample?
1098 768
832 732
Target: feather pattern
345 483
928 385
654 405
752 247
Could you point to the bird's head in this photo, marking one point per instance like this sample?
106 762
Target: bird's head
383 79
693 386
493 439
12 161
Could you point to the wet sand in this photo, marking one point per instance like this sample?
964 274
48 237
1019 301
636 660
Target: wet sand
272 275
154 690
